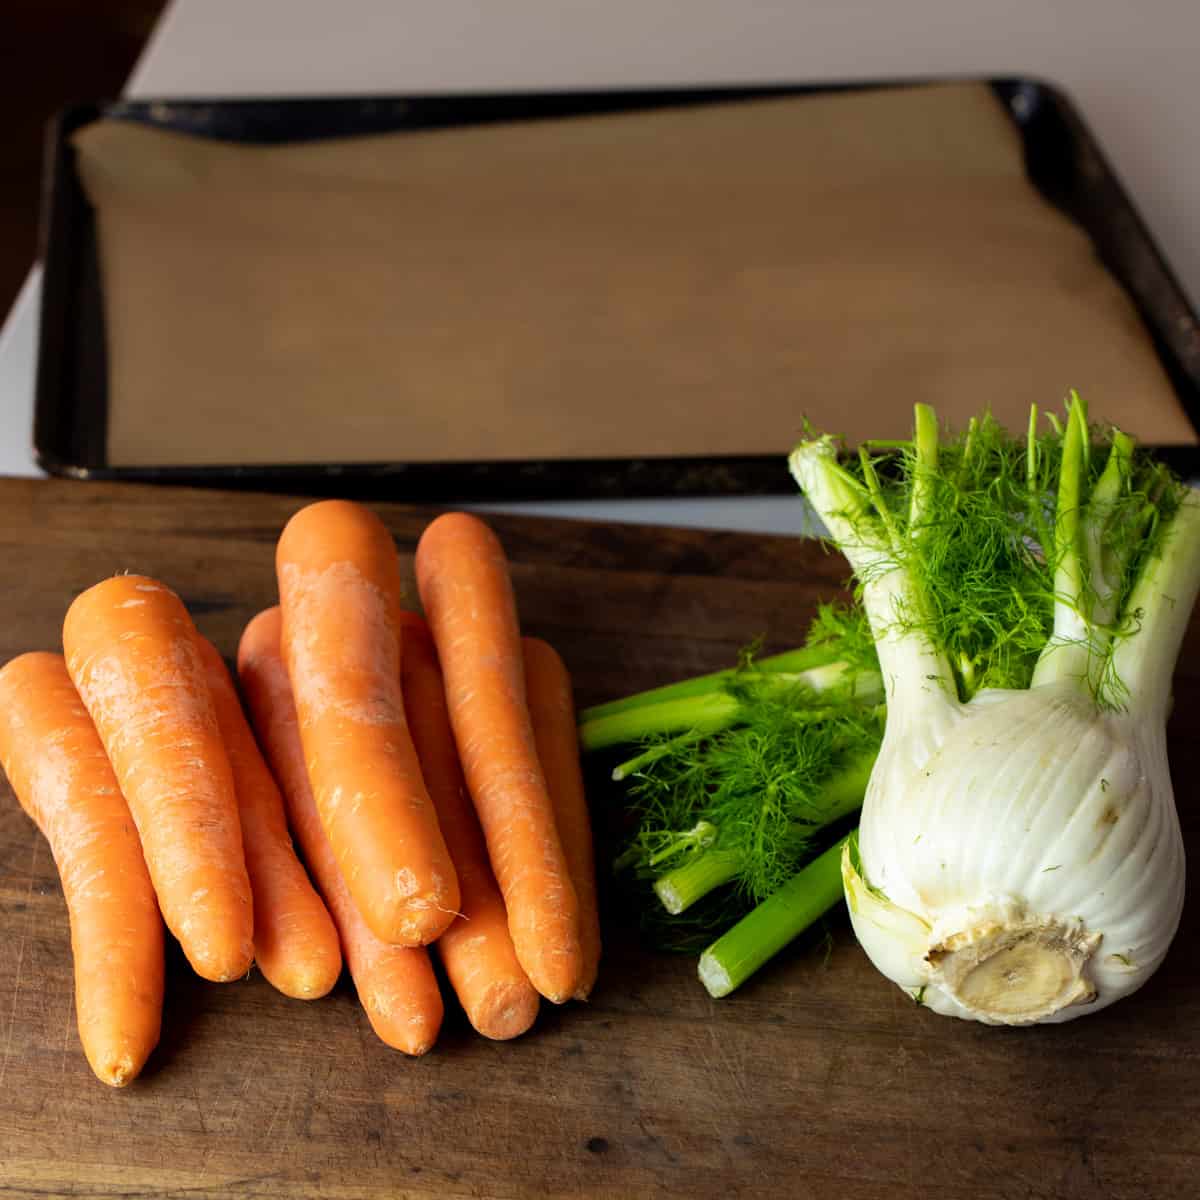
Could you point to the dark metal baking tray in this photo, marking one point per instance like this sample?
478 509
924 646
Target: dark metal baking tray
1062 158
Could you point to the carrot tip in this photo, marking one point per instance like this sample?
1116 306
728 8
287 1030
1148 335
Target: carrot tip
422 925
117 1073
586 985
505 1011
220 972
557 975
413 1046
308 987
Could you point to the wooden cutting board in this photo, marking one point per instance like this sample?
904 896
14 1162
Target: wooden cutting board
817 1079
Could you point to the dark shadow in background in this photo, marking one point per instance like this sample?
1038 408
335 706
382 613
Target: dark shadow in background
53 53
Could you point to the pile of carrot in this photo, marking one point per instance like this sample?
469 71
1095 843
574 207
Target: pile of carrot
427 768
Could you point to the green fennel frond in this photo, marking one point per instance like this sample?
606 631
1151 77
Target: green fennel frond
761 784
987 545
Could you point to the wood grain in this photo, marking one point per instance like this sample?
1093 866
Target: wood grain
817 1079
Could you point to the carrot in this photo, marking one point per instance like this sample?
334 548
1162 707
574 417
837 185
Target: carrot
396 984
295 943
61 776
552 709
131 653
467 593
339 587
477 949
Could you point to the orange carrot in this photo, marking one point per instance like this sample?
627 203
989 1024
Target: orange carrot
467 594
131 653
555 730
61 776
396 984
339 587
477 949
295 943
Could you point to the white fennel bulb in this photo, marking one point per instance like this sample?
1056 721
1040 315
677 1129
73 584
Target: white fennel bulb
1019 856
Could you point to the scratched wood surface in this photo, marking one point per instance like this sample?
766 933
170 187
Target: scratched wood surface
817 1079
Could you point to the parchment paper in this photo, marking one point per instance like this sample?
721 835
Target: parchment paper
685 282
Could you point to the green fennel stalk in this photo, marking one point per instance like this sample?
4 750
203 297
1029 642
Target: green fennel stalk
783 916
794 661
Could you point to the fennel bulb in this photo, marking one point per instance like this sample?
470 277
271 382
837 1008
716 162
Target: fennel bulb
1019 856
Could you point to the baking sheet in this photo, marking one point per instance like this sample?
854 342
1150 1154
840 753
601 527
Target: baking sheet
683 285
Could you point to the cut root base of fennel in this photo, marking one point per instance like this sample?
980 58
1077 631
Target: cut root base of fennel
995 962
1015 969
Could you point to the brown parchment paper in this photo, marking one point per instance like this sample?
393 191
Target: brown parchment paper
685 282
